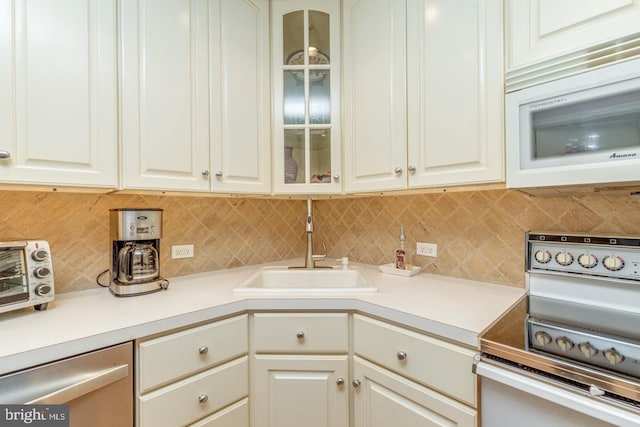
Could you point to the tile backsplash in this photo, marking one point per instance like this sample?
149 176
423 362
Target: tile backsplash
480 234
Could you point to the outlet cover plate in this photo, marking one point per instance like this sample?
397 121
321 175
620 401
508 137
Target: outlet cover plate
181 251
426 249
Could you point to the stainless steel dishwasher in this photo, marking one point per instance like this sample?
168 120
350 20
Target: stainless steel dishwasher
97 386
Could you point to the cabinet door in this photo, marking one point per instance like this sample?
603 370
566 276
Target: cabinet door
294 391
164 94
384 399
374 95
240 96
306 96
538 30
455 92
58 92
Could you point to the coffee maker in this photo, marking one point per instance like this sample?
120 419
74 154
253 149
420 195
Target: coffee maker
135 252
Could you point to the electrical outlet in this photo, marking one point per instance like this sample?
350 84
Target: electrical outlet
181 251
427 249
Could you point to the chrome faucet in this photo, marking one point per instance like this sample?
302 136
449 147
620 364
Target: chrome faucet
310 259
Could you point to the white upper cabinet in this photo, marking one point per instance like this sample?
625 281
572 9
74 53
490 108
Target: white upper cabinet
58 116
195 95
306 71
427 113
164 94
547 39
374 95
455 92
240 96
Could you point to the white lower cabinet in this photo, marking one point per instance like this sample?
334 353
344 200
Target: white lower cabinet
310 369
410 378
197 375
384 399
301 370
301 390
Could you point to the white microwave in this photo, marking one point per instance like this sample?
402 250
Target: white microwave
578 130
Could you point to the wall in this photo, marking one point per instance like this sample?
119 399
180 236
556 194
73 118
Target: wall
480 235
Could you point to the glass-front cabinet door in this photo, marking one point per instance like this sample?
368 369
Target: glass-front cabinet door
306 93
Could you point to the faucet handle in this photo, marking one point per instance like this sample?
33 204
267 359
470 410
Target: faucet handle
344 261
321 257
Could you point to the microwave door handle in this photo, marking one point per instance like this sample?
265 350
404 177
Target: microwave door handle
83 387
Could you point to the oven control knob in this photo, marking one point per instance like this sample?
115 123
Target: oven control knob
588 260
41 272
543 256
542 338
587 349
613 356
42 290
564 343
564 258
613 263
39 255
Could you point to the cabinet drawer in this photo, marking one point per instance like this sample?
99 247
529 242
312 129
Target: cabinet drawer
301 333
236 415
165 359
179 403
432 362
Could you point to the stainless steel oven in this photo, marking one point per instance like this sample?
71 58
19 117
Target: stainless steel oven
26 275
568 354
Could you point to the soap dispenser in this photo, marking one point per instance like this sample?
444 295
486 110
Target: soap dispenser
403 258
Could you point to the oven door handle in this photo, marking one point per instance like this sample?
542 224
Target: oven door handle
83 387
555 392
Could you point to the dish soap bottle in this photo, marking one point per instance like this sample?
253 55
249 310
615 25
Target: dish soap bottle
403 257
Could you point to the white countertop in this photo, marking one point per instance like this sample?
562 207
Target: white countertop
455 309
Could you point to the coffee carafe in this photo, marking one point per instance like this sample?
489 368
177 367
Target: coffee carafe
135 251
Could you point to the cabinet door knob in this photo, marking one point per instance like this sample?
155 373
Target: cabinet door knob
398 171
336 177
340 381
4 154
202 399
300 335
205 173
203 350
356 383
219 174
411 169
401 355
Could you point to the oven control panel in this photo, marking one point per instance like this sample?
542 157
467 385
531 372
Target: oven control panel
601 350
604 256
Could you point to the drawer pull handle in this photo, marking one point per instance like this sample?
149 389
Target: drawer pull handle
340 381
300 335
202 399
203 350
401 355
356 384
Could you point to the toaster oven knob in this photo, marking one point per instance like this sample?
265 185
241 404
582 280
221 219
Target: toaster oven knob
542 338
42 290
41 272
613 263
39 255
588 260
587 349
543 256
564 343
613 356
564 258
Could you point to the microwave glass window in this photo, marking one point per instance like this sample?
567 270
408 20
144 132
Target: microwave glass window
604 124
13 280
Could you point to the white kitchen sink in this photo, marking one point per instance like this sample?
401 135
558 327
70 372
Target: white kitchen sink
294 280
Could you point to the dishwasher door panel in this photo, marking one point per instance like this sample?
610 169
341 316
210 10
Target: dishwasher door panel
97 386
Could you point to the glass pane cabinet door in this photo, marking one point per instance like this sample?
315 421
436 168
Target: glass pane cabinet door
306 94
